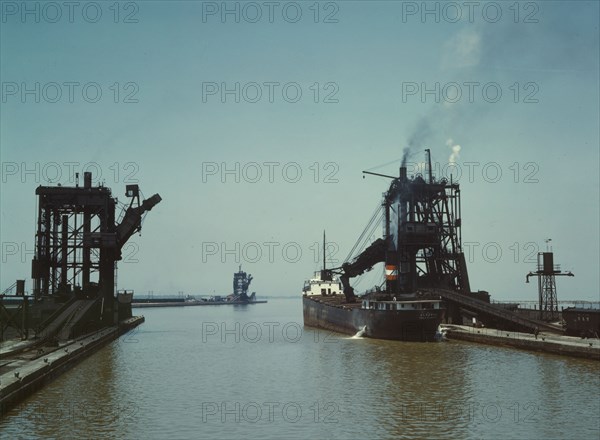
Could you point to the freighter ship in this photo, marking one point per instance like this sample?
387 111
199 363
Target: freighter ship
421 250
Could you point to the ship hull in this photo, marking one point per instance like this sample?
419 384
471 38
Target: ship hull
401 325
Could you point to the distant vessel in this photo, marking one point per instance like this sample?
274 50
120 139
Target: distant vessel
421 250
241 283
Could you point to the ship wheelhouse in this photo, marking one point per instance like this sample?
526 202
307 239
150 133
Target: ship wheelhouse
318 286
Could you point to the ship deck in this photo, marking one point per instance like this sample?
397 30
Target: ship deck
336 301
340 301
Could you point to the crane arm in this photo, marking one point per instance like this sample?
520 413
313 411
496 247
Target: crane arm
372 255
132 221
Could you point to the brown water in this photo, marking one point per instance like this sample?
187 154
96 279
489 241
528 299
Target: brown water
255 372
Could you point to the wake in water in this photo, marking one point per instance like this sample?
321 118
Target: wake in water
440 335
360 333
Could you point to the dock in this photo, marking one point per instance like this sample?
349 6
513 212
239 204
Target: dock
74 308
544 342
192 303
26 366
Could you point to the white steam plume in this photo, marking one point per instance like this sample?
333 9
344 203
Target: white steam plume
455 151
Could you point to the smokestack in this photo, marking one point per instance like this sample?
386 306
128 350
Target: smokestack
87 179
20 288
403 174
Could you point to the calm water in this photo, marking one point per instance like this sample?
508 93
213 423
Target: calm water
254 372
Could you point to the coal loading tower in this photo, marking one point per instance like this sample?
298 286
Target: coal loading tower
79 241
421 247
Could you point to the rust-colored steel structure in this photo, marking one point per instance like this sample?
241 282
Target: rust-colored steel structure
79 241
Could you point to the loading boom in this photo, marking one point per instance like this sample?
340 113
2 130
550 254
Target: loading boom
374 254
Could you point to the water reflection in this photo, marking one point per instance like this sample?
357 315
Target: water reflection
79 404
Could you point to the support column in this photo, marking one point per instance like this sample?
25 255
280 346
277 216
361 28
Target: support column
64 250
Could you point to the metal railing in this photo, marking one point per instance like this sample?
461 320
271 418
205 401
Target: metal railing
498 312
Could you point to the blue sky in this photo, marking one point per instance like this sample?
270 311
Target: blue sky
542 133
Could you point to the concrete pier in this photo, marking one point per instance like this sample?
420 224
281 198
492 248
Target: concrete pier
28 365
195 303
546 342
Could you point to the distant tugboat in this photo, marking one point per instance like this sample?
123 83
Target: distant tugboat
421 250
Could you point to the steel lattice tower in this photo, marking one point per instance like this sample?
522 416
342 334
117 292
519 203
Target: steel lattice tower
547 272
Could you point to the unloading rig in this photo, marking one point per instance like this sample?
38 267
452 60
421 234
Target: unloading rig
422 251
241 283
78 242
421 246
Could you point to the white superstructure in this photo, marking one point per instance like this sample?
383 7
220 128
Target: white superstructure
322 287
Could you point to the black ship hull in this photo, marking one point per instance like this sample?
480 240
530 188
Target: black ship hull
401 325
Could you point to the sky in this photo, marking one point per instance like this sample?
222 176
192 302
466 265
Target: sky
255 120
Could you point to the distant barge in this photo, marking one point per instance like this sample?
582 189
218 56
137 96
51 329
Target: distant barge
182 302
241 282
